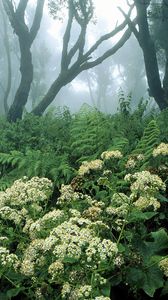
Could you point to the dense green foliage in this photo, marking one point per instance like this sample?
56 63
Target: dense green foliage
88 218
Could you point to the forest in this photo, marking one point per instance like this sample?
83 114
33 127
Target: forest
83 149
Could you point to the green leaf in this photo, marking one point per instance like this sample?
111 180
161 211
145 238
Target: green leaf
69 260
136 216
106 290
160 241
153 280
149 280
3 296
162 198
14 292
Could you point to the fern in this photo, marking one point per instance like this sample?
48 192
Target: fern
148 141
119 143
35 163
90 135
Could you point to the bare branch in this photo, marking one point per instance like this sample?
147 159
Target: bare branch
37 20
66 38
106 37
8 6
20 11
108 53
130 23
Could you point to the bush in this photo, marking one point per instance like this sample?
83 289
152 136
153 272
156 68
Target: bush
96 235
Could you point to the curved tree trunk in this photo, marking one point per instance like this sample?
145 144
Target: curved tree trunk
26 70
149 53
26 37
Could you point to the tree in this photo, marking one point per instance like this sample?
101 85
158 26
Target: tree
6 90
158 88
74 59
26 37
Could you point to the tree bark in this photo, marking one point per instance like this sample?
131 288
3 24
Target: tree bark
26 70
26 38
149 53
8 56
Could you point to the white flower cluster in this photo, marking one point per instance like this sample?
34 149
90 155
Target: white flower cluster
24 191
67 195
145 182
120 211
83 292
98 279
7 213
66 290
163 264
145 202
119 199
162 149
88 166
133 160
68 239
106 155
131 163
56 270
119 261
119 205
32 257
93 213
8 260
98 250
49 220
144 187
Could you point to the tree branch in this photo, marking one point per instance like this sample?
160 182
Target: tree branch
8 6
106 37
37 20
20 11
108 53
131 24
66 38
17 22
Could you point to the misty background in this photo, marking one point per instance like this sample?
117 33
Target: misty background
99 86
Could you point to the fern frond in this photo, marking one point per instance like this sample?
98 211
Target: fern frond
148 141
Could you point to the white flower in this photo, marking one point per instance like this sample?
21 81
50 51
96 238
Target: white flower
106 155
163 264
87 166
162 149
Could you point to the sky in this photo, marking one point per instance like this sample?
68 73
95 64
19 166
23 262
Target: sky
105 10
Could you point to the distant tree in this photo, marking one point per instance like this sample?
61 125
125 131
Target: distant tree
5 35
158 88
26 37
74 58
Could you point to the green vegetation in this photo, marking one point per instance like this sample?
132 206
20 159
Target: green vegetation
83 206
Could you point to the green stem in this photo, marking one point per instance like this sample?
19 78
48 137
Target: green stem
11 281
155 263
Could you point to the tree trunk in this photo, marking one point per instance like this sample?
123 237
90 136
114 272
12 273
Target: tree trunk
26 37
149 53
62 80
8 56
26 69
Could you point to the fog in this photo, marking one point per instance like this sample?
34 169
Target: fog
98 86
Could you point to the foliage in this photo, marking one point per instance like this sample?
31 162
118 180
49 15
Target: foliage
55 144
81 245
36 163
148 141
90 134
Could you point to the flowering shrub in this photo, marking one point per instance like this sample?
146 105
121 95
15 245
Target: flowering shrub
162 149
81 244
